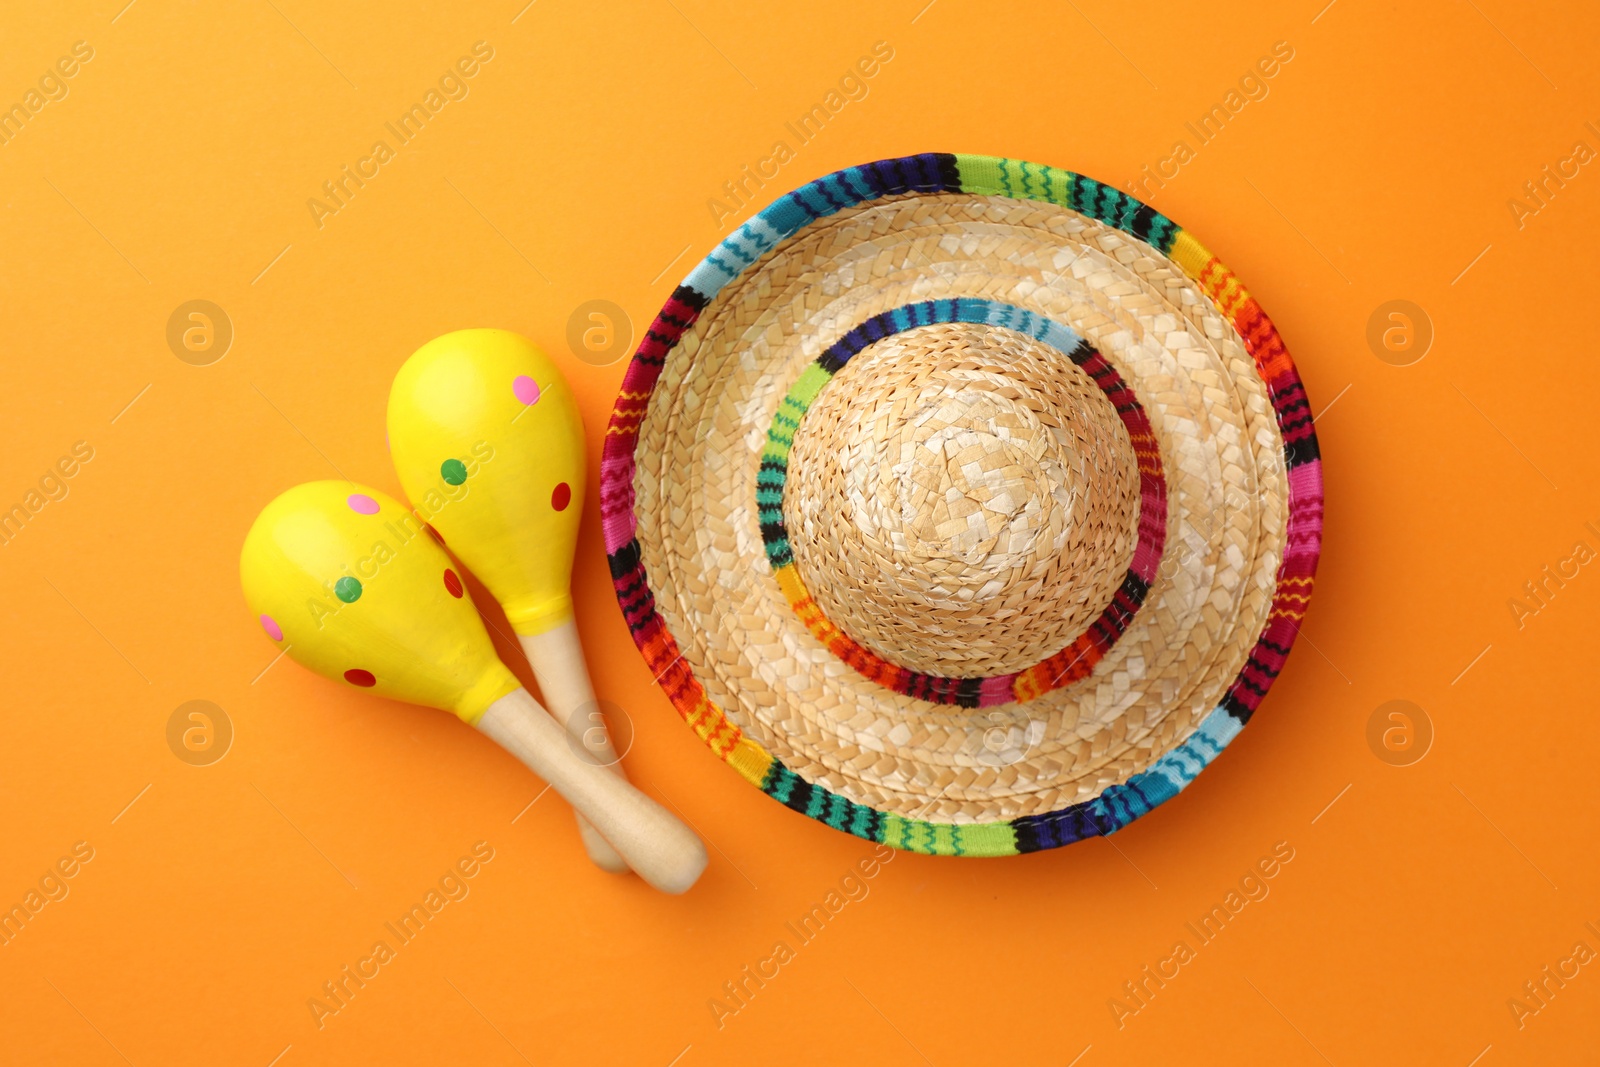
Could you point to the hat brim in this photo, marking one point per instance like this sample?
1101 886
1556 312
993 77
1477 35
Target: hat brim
778 718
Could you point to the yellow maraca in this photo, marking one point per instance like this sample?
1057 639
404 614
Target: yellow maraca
349 583
489 446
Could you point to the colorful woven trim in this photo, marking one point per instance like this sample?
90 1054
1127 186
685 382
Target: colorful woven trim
1079 656
1118 805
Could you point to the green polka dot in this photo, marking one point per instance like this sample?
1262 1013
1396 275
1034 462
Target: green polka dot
347 589
453 471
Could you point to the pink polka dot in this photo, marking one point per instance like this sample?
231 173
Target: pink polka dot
269 624
362 503
526 389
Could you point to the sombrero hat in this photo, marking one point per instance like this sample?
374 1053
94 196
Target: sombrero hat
963 504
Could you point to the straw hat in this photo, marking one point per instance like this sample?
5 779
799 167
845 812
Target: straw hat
963 504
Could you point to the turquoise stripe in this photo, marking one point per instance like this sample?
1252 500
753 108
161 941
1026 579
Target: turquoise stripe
1166 777
860 188
749 243
780 782
787 216
833 193
817 802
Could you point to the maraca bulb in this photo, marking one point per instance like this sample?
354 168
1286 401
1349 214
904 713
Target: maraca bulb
488 444
352 585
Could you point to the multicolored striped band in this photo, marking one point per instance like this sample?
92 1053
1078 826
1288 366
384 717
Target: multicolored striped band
1078 657
934 173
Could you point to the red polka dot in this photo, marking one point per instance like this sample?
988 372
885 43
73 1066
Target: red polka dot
357 676
452 583
561 497
437 536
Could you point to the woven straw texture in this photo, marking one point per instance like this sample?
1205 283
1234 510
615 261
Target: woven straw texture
963 504
963 501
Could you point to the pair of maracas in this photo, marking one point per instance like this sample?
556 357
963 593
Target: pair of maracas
351 583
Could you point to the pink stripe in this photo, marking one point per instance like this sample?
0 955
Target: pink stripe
1305 516
997 691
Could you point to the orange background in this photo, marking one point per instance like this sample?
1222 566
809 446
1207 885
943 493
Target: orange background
579 168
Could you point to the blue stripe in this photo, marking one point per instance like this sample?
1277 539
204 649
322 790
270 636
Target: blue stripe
1166 777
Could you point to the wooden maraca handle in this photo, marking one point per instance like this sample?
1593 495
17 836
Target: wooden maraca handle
556 657
664 851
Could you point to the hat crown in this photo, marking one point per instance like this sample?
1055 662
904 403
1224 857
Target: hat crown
971 490
964 500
